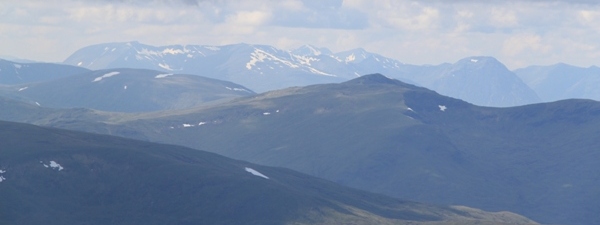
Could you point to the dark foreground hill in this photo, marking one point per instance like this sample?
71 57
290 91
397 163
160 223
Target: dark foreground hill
128 90
385 136
51 176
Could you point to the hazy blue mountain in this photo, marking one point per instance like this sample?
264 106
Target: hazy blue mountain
19 73
128 90
389 137
264 68
479 80
51 176
562 81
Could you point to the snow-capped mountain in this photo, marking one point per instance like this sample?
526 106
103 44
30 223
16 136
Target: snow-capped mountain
263 68
562 81
258 67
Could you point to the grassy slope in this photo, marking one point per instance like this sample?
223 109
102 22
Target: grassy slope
109 180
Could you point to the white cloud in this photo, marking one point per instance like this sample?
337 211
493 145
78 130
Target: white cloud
517 32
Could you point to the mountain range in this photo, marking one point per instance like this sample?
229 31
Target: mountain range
382 135
52 176
479 80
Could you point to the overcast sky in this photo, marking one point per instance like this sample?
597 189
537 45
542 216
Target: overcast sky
517 32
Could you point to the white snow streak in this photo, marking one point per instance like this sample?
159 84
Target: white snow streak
165 66
255 173
105 76
38 104
266 113
2 179
163 75
79 64
212 48
474 60
2 171
442 108
23 88
18 66
237 89
125 87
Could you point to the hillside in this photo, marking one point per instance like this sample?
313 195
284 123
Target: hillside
12 73
51 176
128 90
389 137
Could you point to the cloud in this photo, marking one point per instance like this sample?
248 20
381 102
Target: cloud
518 32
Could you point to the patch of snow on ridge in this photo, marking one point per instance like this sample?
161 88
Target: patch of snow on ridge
236 89
266 113
351 58
165 66
18 66
212 48
259 56
23 88
474 60
53 165
442 108
163 75
2 171
38 104
107 75
2 179
256 173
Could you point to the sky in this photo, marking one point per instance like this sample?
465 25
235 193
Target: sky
517 32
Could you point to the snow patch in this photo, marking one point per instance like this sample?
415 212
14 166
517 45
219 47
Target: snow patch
187 125
474 60
212 48
172 51
163 75
18 66
2 171
2 179
53 165
38 104
256 173
23 88
125 87
201 123
107 75
260 56
409 109
351 58
165 66
79 64
442 108
266 113
236 89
